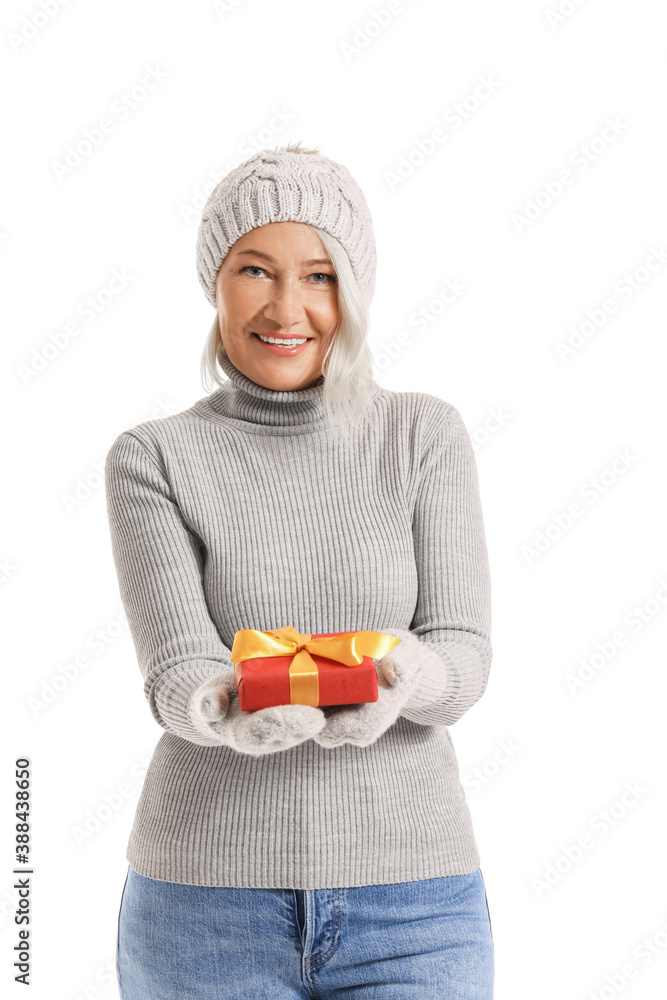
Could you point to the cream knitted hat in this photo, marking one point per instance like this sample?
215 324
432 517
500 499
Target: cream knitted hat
283 186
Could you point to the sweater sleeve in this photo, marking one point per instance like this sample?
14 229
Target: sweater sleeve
453 611
159 567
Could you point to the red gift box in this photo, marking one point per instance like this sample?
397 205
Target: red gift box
303 675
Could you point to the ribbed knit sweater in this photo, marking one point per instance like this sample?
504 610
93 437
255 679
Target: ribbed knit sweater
244 512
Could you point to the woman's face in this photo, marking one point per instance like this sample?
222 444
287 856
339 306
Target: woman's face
277 281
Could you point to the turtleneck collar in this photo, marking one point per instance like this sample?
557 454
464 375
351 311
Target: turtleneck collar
256 408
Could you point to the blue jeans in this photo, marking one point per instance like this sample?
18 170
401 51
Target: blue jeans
413 940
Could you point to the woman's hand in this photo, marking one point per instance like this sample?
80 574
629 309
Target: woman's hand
405 660
398 675
215 709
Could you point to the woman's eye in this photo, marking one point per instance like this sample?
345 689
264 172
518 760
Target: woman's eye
317 274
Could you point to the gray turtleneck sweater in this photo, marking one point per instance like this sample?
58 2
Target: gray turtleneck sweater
243 512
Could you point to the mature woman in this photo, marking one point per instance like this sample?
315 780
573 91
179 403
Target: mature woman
297 850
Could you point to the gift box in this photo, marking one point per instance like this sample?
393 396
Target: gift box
286 667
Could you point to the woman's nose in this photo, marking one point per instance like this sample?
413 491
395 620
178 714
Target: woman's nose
284 304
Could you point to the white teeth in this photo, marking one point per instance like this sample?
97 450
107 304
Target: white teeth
282 343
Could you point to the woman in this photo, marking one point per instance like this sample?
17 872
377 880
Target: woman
296 850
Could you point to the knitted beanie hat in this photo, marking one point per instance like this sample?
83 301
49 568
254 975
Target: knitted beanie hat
286 186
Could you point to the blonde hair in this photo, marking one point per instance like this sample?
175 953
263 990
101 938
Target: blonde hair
347 363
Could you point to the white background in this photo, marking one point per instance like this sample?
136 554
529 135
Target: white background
550 427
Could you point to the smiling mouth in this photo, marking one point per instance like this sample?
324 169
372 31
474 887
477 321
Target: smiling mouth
280 341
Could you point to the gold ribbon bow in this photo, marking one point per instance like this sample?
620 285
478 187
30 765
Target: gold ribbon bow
348 649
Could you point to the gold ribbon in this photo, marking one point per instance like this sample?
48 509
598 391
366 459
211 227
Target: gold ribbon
347 648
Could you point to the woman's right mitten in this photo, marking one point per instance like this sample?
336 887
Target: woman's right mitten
216 710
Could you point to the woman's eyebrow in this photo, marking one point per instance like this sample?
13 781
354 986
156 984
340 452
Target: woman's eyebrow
305 263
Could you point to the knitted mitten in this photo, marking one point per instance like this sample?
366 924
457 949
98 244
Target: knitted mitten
398 676
215 709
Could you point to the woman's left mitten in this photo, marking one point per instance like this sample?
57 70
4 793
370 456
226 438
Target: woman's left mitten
364 723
